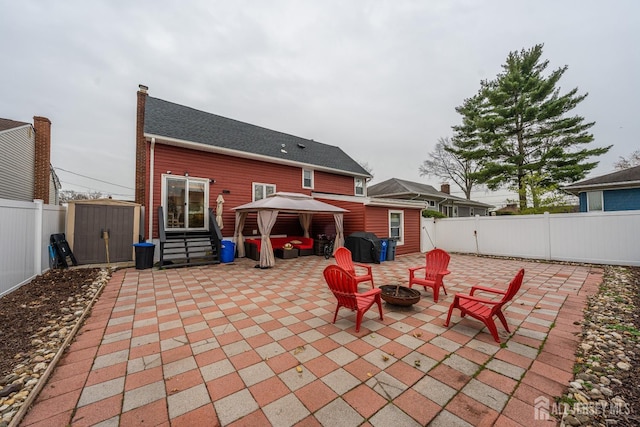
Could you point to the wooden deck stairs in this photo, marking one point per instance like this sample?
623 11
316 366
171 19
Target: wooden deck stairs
189 248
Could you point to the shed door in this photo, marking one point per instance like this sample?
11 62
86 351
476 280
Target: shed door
90 221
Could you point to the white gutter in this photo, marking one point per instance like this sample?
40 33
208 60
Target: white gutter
243 154
151 164
612 185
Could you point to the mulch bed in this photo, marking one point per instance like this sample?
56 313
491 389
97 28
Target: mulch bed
28 309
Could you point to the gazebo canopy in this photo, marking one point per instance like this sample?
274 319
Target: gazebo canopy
289 202
268 209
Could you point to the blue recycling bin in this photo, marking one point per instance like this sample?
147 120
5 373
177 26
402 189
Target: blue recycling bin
144 255
383 249
228 251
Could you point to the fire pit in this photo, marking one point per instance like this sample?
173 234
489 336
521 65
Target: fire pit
399 295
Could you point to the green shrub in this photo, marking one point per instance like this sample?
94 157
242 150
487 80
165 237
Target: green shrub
428 213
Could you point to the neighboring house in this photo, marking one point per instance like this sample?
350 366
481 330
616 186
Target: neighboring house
431 198
616 191
25 169
186 158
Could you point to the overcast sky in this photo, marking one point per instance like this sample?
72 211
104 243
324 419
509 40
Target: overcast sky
380 79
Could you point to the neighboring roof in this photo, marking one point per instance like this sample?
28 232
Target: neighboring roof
409 190
625 178
166 119
289 202
6 124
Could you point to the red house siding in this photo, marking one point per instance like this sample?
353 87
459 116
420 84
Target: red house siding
333 184
373 219
353 220
377 220
235 176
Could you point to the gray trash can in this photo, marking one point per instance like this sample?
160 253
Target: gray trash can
391 249
144 255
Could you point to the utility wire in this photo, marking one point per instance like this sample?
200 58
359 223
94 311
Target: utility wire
95 179
96 190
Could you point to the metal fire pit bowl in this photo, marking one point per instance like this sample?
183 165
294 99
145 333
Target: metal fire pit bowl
399 295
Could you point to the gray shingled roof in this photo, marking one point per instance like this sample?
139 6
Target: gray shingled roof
409 190
6 124
163 118
629 177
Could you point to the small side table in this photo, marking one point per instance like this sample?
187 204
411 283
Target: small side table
286 253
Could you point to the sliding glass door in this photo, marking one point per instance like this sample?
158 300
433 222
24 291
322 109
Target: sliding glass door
185 202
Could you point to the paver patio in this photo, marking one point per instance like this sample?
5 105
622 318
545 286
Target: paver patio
221 345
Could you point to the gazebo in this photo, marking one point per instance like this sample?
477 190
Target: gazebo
269 207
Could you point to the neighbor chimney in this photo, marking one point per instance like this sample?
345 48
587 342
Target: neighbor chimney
445 188
141 147
42 164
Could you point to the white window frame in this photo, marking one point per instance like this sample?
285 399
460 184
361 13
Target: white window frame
598 194
264 189
311 178
451 211
164 194
400 240
357 180
471 212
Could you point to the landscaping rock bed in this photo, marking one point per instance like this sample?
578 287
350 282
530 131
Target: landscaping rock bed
35 321
606 388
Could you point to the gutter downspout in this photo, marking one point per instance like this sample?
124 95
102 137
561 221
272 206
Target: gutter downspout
151 164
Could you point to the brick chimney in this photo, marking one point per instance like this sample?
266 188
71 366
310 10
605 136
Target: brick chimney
445 188
141 147
42 164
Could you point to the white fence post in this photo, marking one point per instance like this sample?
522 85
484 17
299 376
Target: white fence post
547 236
37 252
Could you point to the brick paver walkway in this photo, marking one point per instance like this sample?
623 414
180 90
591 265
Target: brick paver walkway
234 345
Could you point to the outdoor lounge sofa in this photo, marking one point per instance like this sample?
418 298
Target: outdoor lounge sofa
303 244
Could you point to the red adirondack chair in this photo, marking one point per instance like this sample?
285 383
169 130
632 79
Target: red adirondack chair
484 309
344 260
435 268
344 287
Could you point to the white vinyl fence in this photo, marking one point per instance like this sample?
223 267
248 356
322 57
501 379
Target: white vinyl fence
594 237
25 228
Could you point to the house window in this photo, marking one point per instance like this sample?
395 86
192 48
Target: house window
594 201
185 201
396 226
471 212
359 186
431 204
307 178
260 191
450 211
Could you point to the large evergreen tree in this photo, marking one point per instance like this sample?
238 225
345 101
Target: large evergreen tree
520 129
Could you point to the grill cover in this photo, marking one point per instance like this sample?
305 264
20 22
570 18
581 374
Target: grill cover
364 246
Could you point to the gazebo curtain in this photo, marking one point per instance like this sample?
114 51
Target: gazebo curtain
238 238
305 222
339 242
266 220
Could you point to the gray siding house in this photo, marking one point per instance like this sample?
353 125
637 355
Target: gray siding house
25 169
433 199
